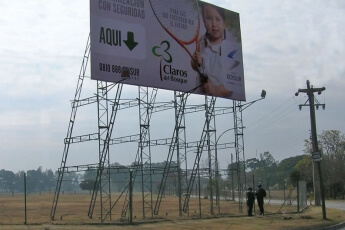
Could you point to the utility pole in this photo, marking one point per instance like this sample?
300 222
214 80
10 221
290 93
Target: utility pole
316 154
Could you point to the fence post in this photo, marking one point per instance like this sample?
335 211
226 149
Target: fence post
25 198
130 198
298 198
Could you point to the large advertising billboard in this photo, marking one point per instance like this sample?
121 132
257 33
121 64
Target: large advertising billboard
183 45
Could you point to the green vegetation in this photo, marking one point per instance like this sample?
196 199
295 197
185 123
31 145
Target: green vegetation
278 175
265 169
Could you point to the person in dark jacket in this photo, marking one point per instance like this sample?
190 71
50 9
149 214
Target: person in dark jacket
250 201
260 194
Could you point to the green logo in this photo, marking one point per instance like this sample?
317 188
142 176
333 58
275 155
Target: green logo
162 51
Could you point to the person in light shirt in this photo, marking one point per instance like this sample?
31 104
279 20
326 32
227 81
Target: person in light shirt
218 58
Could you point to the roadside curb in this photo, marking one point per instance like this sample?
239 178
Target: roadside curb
334 227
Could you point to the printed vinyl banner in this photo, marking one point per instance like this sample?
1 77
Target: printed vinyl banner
183 45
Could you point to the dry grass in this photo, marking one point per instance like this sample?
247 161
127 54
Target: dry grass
72 212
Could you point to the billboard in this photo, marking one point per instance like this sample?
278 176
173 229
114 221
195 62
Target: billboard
183 45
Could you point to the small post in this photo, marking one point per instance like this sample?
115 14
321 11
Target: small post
254 192
130 198
199 192
232 179
25 222
298 198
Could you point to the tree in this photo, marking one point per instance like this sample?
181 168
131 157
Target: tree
90 173
7 181
305 171
70 182
49 180
19 181
252 164
35 180
119 175
87 184
267 165
332 147
267 160
285 168
294 177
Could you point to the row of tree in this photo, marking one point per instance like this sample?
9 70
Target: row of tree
265 169
276 174
332 147
37 181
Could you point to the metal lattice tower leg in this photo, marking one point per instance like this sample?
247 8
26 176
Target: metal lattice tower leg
62 168
179 118
212 155
143 157
205 137
239 149
180 100
145 112
102 181
103 130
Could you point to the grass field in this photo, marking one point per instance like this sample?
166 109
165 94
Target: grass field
72 209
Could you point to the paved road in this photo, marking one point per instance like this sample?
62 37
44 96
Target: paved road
335 204
339 204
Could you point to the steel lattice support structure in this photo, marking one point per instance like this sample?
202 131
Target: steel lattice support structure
212 151
105 127
107 110
143 157
180 104
238 108
180 141
146 105
61 170
205 139
239 150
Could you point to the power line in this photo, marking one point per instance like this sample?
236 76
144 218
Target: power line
285 144
272 117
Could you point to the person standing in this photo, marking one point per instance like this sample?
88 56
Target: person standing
250 201
260 194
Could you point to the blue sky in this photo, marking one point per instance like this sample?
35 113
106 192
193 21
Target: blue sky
284 43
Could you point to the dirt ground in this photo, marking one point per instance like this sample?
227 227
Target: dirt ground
72 209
